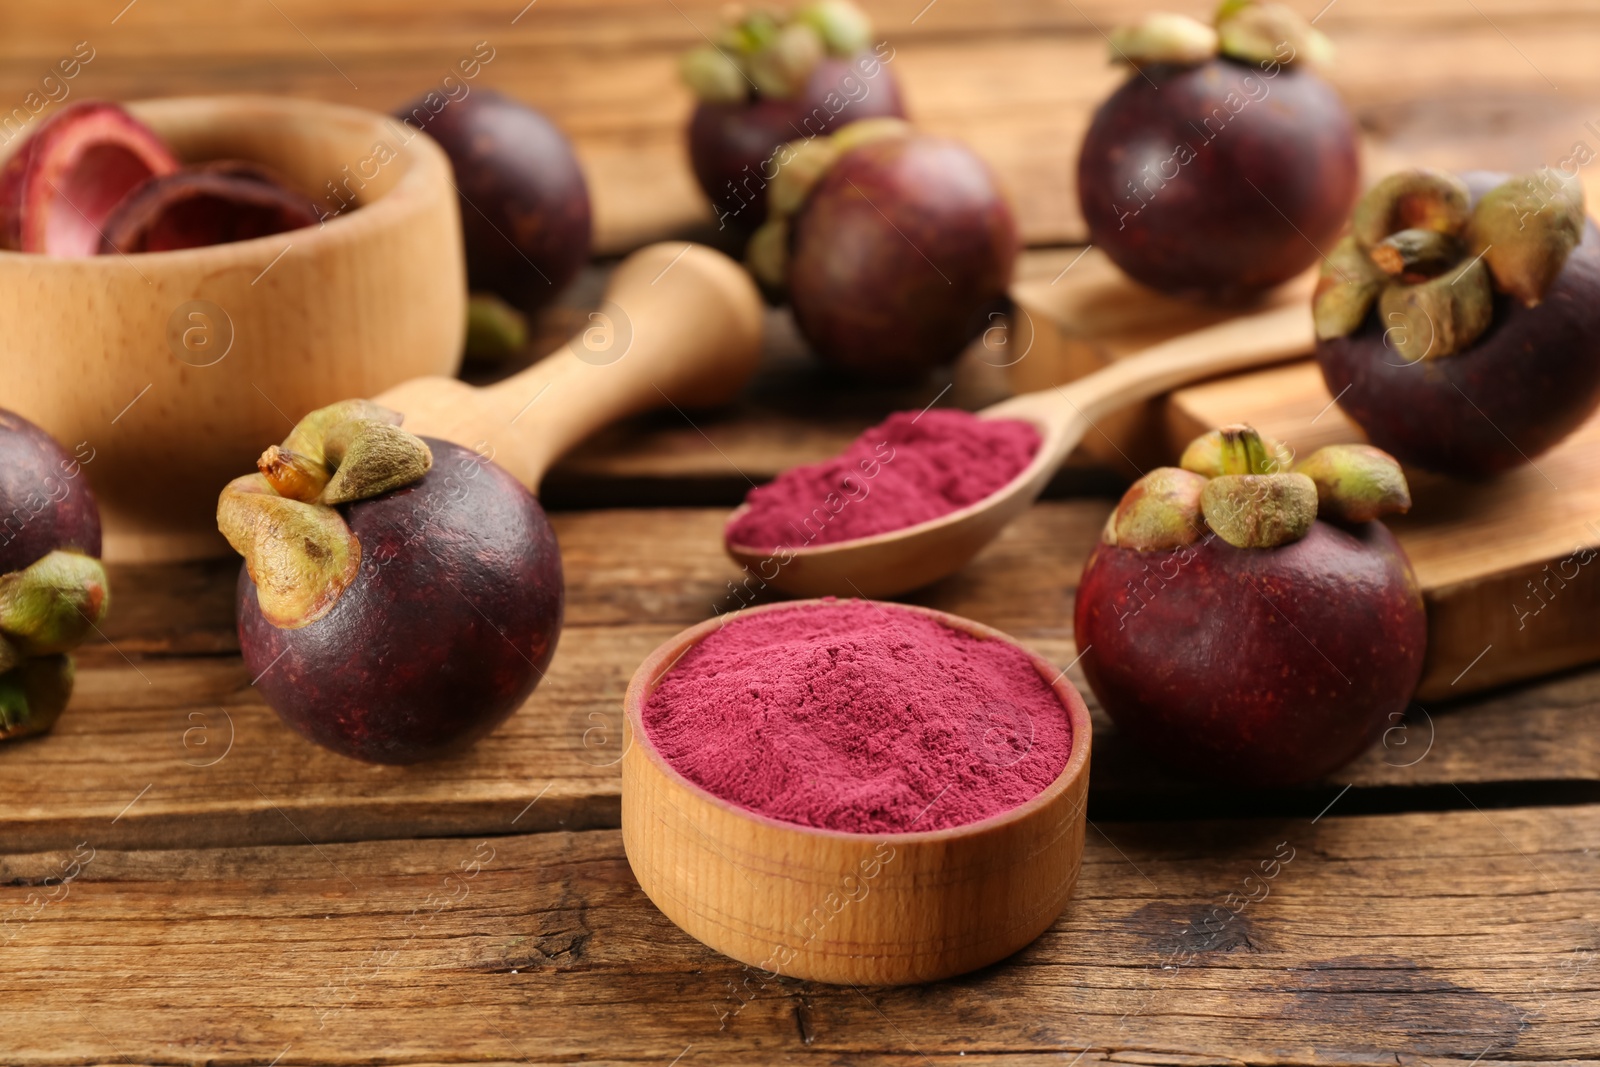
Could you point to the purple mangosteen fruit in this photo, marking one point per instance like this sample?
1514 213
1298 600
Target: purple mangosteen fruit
765 82
1223 162
525 213
401 596
893 247
1252 624
53 589
1458 323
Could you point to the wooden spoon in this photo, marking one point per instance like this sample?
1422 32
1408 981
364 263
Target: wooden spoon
680 325
896 562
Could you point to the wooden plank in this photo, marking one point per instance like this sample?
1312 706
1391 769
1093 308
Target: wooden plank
1505 565
174 743
1501 83
1450 937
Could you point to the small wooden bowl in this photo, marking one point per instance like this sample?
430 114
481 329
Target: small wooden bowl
878 909
130 356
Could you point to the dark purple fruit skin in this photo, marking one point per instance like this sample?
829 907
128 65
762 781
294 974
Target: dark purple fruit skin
524 203
45 501
444 633
897 254
1213 671
1264 190
732 147
1530 380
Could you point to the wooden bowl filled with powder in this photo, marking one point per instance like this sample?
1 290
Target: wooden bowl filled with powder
854 791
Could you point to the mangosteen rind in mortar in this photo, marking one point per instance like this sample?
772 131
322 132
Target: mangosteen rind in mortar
439 631
1238 636
1528 380
1218 176
60 185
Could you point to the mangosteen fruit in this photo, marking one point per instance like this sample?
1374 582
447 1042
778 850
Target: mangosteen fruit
525 213
1224 162
1458 323
62 184
209 204
1250 623
767 80
893 247
53 589
400 596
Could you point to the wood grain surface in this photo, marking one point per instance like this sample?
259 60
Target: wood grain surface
165 723
1458 938
184 881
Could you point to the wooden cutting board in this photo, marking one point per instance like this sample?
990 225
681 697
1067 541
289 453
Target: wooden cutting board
1508 567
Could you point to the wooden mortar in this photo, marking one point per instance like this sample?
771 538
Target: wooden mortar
873 909
171 369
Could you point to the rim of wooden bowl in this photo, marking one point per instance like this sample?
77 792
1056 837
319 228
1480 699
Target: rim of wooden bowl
649 674
425 167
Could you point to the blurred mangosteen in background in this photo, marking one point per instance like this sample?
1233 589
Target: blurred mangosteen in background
892 246
525 212
53 589
1459 321
401 596
766 81
1224 162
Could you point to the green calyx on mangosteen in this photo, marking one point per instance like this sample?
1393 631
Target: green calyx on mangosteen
1458 322
763 53
400 596
767 79
53 588
1243 30
891 246
298 549
1243 616
1432 260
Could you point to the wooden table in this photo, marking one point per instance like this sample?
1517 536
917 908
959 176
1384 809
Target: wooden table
185 881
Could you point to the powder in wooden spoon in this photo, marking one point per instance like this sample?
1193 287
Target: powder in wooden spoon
912 467
859 716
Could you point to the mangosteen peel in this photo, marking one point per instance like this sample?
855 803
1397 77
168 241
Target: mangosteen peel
208 204
1459 323
93 180
400 595
1224 161
53 588
891 246
766 79
1245 618
62 183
